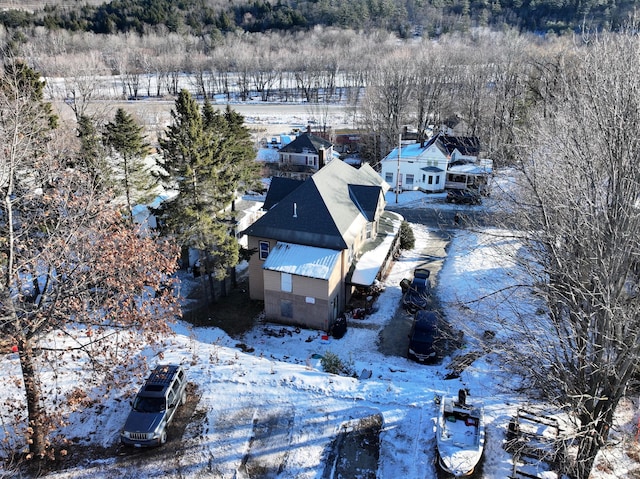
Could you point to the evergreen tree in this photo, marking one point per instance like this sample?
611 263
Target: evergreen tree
91 157
234 159
208 157
124 138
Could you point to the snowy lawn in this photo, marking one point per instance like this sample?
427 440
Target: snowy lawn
272 409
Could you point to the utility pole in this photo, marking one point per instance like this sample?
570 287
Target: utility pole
398 168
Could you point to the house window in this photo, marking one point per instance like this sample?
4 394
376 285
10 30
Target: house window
264 250
423 178
409 180
286 309
430 179
369 230
437 180
286 284
388 177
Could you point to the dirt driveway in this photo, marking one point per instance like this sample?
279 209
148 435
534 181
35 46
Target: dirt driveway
394 337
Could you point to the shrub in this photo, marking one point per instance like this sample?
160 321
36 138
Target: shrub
407 239
332 364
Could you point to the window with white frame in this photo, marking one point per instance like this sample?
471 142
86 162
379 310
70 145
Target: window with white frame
388 177
409 180
264 250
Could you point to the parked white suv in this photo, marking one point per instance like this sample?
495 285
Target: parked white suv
154 407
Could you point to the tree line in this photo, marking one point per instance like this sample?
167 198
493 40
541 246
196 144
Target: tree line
404 18
485 78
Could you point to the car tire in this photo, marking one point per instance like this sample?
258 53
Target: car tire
183 398
163 437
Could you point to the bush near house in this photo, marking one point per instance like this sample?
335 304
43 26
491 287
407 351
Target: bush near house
407 239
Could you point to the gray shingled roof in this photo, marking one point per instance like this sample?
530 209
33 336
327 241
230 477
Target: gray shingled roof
278 189
366 198
306 142
322 212
466 145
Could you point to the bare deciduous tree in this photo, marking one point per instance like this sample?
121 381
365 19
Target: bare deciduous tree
578 204
386 107
431 79
81 81
69 264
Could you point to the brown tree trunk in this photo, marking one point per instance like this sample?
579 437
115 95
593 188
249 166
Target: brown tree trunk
587 450
36 433
594 436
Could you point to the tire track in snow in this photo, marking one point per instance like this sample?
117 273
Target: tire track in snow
268 447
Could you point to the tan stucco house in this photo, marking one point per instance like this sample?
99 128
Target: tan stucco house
309 240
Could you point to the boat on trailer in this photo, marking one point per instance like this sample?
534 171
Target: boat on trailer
460 434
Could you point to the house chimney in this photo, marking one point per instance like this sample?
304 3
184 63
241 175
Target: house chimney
321 154
295 210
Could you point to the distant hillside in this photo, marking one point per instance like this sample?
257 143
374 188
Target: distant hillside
33 5
403 17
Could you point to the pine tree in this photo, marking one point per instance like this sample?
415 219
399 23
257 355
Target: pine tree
91 157
208 158
133 177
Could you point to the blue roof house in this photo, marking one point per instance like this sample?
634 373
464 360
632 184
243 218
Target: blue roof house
423 166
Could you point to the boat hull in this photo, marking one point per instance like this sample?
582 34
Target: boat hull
460 435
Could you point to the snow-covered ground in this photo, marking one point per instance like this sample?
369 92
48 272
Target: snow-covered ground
278 386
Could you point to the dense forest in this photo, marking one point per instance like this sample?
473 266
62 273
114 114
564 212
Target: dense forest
405 18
